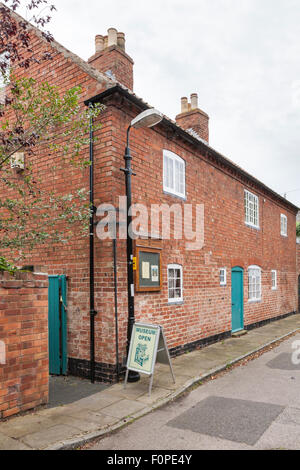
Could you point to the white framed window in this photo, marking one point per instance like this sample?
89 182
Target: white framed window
175 283
4 76
283 225
274 279
173 174
251 204
223 277
254 283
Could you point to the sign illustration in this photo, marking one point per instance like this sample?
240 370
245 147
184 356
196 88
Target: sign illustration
140 354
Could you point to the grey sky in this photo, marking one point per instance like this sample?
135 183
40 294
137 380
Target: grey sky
242 57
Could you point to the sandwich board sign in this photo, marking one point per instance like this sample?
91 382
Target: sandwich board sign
147 346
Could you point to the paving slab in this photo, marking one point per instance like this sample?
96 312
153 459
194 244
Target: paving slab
96 402
94 418
156 394
46 437
7 443
23 425
123 408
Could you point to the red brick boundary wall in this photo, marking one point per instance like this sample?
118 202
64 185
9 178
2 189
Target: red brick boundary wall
23 342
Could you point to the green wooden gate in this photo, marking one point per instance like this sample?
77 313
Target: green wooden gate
57 323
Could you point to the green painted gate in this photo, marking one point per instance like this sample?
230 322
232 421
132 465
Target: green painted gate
237 299
57 323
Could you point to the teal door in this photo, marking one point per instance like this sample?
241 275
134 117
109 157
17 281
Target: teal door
237 299
57 324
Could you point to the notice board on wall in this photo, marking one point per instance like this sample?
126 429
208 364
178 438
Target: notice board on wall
148 269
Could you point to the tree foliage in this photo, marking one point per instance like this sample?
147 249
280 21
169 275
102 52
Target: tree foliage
298 229
36 119
15 37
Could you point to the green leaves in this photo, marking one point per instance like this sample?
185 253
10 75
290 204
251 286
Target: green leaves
36 112
38 120
7 267
298 229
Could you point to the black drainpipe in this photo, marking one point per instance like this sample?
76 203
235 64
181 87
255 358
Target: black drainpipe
93 312
116 307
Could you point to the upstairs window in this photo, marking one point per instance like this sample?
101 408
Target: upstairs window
173 174
175 282
283 220
251 209
274 279
254 283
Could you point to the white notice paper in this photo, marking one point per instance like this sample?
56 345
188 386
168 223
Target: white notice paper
145 270
154 273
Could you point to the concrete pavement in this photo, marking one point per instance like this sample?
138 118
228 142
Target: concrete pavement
72 425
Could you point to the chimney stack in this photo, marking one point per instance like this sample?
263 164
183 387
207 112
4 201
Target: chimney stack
193 118
111 59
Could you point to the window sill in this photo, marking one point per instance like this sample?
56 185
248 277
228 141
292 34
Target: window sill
252 226
284 236
254 301
177 196
178 302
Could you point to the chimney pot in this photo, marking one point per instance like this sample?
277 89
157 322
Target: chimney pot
99 43
121 40
112 37
184 105
194 101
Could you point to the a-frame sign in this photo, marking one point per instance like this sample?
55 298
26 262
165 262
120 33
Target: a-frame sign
147 346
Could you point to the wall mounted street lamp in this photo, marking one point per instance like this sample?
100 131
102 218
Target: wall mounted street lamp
148 118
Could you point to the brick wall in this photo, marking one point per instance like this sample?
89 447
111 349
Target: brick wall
24 343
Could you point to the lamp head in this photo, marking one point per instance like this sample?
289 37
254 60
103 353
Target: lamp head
148 118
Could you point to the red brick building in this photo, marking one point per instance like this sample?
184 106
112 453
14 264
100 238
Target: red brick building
248 257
